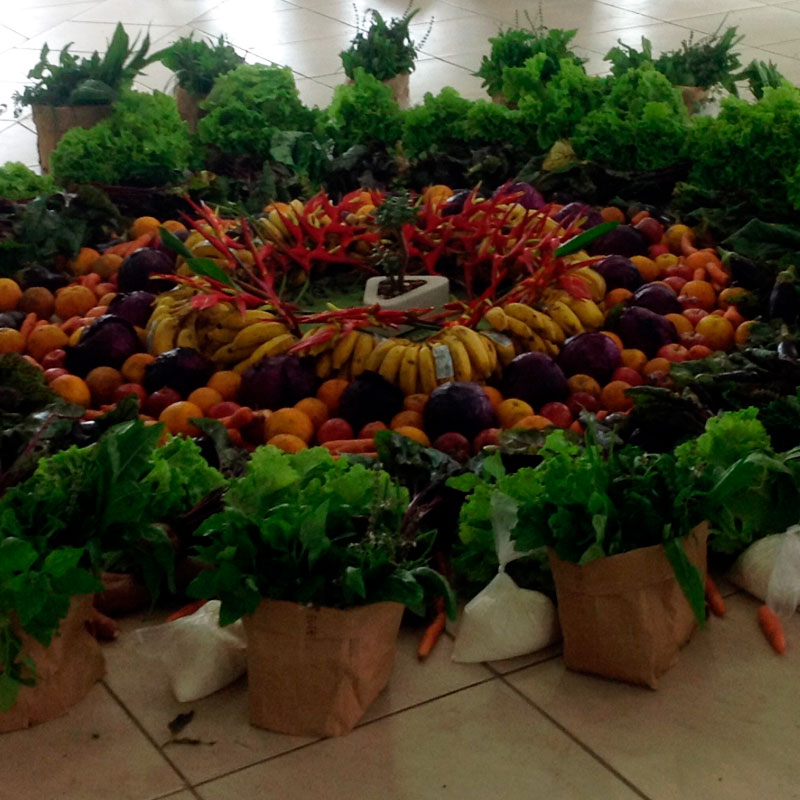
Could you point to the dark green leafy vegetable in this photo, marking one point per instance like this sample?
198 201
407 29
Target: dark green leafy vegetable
17 182
198 63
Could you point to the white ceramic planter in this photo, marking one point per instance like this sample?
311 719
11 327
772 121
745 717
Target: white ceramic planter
434 292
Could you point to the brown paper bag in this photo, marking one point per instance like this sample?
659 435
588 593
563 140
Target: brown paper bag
399 85
67 669
189 108
52 122
315 671
625 616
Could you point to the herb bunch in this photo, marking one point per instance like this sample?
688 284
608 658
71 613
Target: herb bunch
198 63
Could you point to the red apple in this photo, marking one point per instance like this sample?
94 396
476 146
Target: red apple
455 445
582 401
370 429
223 409
694 315
653 230
54 372
124 389
333 429
675 282
673 352
691 339
558 413
628 375
698 351
656 250
159 400
491 436
55 358
660 378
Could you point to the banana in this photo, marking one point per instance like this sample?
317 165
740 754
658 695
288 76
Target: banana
519 328
407 379
536 344
364 346
390 366
323 366
564 317
588 312
547 327
426 370
275 219
504 348
523 313
187 335
161 336
481 365
216 314
228 354
594 281
343 349
462 368
375 358
258 333
496 317
236 320
491 353
220 335
274 347
298 206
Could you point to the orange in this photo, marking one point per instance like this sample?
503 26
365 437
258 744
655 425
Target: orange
44 339
613 397
533 422
675 233
743 331
702 291
617 296
495 396
314 409
648 269
107 265
634 359
331 391
717 330
204 398
11 341
134 367
73 389
74 301
656 365
173 226
292 421
511 411
415 402
102 383
226 382
681 323
143 225
405 419
614 338
613 214
82 263
37 300
10 294
701 259
415 434
176 417
287 442
584 383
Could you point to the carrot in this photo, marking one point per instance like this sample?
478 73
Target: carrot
432 632
241 417
717 273
187 610
699 274
772 628
714 598
90 280
71 325
124 249
28 324
687 248
637 218
350 445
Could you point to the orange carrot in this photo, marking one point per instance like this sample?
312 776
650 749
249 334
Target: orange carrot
28 324
241 417
714 598
687 248
772 628
717 273
71 325
124 249
433 631
699 274
351 445
637 218
187 610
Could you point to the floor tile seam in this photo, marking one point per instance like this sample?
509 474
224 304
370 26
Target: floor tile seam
369 722
259 55
515 670
583 745
187 783
772 44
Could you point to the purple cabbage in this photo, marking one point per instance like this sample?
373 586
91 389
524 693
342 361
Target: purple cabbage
277 382
458 407
536 379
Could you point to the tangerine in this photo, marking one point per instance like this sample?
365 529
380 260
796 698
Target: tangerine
135 365
102 383
10 294
44 339
74 301
176 417
82 263
226 382
287 442
718 331
405 419
415 402
314 409
204 398
37 300
291 421
143 225
73 389
511 411
613 396
330 392
533 422
415 434
11 341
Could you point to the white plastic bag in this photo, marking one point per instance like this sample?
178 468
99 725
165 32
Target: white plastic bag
198 655
770 570
503 620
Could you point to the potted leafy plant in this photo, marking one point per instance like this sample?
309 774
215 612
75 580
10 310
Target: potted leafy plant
513 47
79 92
385 49
695 68
394 289
197 64
309 551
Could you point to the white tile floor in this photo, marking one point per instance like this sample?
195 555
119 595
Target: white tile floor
723 725
307 35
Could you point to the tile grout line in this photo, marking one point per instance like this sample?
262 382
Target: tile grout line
187 784
600 760
358 727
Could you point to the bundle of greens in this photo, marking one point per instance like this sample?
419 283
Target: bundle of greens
17 182
760 76
143 143
706 63
313 530
383 48
97 80
641 125
197 64
503 70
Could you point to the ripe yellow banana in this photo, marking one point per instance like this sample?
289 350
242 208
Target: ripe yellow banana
496 317
390 366
426 370
375 358
491 353
564 317
407 379
343 349
462 368
364 347
523 313
503 346
274 347
518 328
236 320
161 335
323 366
187 335
220 335
588 312
481 365
594 281
258 333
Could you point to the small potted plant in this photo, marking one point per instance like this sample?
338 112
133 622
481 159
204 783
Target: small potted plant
394 288
197 64
309 550
385 49
79 92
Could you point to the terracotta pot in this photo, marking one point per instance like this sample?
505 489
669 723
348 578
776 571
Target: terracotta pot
315 671
625 616
399 85
692 96
67 669
189 108
52 122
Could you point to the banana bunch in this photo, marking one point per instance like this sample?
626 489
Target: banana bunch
272 226
232 340
344 355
